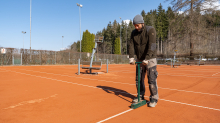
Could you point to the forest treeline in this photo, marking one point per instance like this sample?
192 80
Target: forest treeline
193 31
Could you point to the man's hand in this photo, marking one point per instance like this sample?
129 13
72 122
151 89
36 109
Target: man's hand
145 62
132 61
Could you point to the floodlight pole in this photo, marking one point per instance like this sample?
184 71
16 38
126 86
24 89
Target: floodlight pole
120 35
80 5
23 38
30 29
62 41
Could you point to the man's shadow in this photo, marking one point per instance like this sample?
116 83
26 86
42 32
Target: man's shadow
117 92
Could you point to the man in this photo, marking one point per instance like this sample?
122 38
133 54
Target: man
143 45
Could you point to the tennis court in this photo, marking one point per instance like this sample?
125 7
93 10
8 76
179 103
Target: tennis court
56 94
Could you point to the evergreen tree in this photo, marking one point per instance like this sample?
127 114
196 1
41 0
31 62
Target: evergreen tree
118 35
159 22
108 37
170 18
130 28
161 25
124 37
150 18
143 13
75 46
87 41
78 46
117 46
91 43
147 19
170 14
115 29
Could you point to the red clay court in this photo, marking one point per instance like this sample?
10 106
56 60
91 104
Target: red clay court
56 94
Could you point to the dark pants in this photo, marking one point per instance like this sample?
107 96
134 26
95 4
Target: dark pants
152 74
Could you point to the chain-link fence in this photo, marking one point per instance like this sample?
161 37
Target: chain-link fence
43 57
208 59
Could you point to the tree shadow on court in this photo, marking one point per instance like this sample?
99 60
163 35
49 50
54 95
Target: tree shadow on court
118 92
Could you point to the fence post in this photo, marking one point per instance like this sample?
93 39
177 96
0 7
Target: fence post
200 58
171 63
12 59
55 57
69 57
21 58
5 59
111 58
79 67
107 66
1 59
40 58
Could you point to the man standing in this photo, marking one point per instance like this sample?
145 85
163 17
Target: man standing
143 45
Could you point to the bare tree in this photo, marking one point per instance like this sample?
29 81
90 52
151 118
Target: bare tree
192 18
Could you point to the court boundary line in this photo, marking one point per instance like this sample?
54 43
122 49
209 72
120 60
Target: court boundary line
171 74
117 91
187 104
126 83
215 74
31 101
189 76
115 116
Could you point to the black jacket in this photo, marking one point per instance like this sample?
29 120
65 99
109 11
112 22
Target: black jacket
143 43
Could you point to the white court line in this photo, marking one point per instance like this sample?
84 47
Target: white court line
189 76
215 74
30 101
195 70
115 116
191 105
125 83
121 92
163 100
115 91
186 75
79 77
191 91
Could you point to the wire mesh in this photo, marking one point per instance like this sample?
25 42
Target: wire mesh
15 56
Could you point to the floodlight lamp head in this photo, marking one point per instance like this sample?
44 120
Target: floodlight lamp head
80 5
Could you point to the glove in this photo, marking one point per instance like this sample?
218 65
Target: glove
145 62
132 61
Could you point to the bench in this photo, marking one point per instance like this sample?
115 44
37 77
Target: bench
96 65
175 64
192 62
202 63
195 62
212 62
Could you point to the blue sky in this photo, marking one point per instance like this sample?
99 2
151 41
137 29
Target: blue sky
52 19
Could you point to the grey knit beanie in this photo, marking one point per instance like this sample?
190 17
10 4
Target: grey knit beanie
138 19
